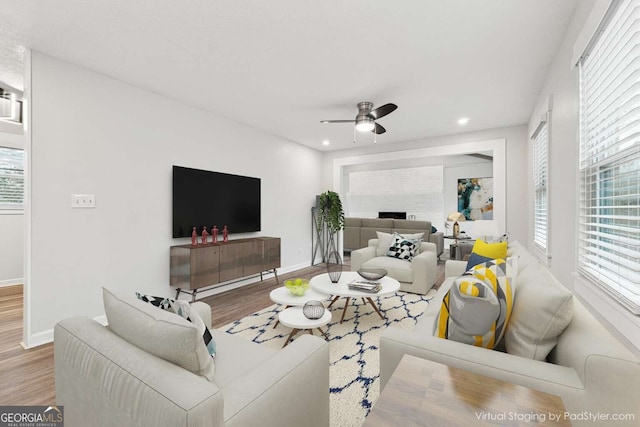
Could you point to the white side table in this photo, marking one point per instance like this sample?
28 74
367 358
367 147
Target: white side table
295 319
282 296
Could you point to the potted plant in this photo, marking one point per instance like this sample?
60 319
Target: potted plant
331 212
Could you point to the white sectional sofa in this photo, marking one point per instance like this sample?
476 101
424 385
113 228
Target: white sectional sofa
104 380
588 368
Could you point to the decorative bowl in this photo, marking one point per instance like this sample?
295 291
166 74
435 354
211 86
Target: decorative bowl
296 287
372 273
313 309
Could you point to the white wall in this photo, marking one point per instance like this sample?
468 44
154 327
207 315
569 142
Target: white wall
516 157
95 135
11 230
562 83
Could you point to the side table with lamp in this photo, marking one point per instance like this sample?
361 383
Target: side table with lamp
456 235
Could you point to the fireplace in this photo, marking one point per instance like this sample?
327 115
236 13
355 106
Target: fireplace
394 215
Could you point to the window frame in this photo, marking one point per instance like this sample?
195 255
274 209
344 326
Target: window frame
605 234
14 208
540 172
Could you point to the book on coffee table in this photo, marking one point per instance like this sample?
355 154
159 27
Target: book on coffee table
365 286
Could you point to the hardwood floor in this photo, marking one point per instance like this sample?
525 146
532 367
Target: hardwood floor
26 376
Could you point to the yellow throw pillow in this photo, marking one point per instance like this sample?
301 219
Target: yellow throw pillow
490 250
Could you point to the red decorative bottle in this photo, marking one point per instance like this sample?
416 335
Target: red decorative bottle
214 232
205 233
225 234
194 237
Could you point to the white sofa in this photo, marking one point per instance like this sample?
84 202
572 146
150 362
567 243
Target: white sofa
588 368
417 275
103 380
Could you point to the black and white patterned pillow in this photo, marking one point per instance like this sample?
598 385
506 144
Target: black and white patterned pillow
403 248
183 309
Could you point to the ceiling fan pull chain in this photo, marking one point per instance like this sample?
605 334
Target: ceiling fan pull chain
355 135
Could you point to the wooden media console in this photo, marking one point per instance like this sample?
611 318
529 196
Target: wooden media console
194 267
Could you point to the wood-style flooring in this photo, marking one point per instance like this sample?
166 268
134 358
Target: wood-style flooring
26 376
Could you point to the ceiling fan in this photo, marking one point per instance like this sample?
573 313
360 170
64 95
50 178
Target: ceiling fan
365 121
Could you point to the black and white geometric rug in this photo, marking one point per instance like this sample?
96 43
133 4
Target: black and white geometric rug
354 362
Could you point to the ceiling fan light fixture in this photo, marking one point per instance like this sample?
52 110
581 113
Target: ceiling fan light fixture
364 124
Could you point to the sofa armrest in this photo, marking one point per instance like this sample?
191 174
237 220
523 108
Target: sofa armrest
428 247
361 256
291 388
547 377
438 239
425 267
204 311
453 268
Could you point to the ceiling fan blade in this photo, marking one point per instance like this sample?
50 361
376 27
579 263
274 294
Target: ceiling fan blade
383 111
378 129
337 121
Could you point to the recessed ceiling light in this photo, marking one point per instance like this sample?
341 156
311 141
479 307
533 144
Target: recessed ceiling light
326 142
463 121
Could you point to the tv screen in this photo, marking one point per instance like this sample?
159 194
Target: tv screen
204 198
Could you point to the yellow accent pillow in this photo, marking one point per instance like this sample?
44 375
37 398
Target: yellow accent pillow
490 250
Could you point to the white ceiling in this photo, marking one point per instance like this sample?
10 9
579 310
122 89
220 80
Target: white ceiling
281 66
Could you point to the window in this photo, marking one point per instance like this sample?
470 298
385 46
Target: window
609 213
540 184
11 178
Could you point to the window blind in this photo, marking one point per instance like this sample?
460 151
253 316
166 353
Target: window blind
11 178
609 213
540 183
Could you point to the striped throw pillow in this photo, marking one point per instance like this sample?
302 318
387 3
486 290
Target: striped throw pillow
477 308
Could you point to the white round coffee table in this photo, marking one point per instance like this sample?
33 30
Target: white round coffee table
295 319
322 283
282 296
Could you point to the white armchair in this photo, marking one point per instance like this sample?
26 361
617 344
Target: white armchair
417 275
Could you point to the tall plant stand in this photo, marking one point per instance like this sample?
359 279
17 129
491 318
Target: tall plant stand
318 233
323 242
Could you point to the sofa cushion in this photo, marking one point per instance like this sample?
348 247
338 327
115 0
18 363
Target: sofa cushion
385 240
396 268
158 332
352 222
377 223
542 310
183 309
477 308
403 248
490 250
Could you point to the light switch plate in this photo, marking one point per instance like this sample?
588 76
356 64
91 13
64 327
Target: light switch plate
83 201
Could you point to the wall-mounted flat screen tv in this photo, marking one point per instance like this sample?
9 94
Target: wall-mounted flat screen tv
205 198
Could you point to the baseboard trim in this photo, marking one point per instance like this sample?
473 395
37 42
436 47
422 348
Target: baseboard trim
46 337
37 340
11 282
